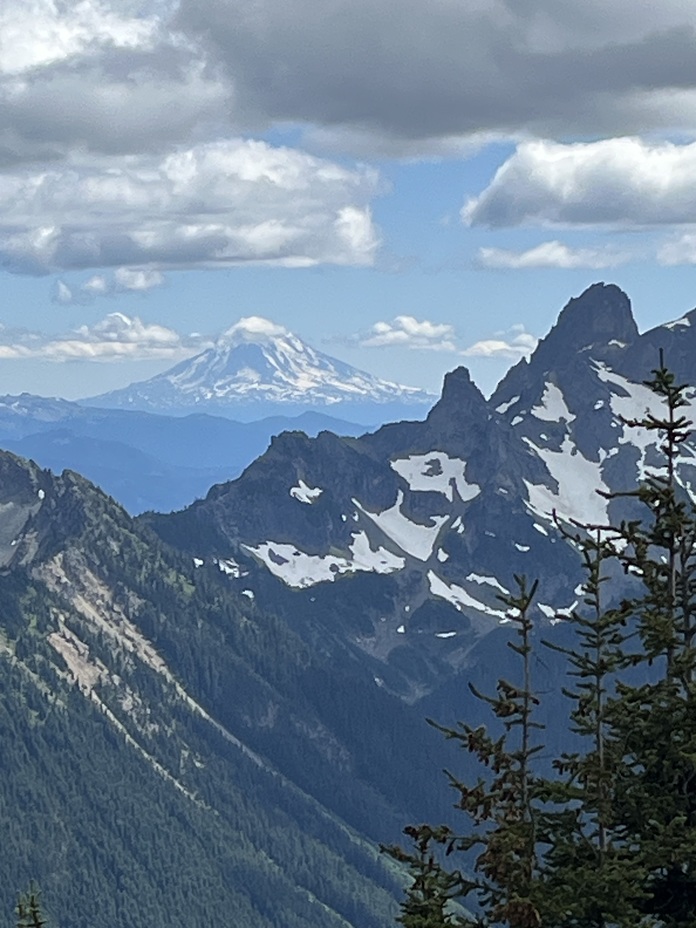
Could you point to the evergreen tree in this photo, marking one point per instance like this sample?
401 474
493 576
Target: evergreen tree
590 877
501 807
610 840
655 721
433 886
28 909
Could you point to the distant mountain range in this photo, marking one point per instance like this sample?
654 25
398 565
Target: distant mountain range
218 713
160 444
145 461
258 369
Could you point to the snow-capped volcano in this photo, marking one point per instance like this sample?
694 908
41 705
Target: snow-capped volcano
258 368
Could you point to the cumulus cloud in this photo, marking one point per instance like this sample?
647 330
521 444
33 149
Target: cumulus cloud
551 254
123 280
116 337
216 204
615 182
95 286
40 32
99 76
253 329
125 109
137 279
511 345
408 332
113 112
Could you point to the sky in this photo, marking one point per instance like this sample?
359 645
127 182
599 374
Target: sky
408 185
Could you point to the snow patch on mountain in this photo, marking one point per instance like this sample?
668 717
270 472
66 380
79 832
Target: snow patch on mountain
458 596
505 406
296 568
230 567
553 407
304 493
414 538
489 581
436 472
633 401
300 570
578 481
380 561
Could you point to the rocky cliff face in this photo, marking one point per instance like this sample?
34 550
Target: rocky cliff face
400 543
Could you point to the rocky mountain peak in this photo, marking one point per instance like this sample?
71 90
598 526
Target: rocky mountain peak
600 315
460 398
599 319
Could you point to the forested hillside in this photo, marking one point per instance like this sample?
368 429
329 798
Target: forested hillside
171 754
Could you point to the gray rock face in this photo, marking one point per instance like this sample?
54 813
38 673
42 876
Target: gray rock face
400 543
22 496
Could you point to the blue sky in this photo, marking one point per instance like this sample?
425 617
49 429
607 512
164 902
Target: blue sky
406 185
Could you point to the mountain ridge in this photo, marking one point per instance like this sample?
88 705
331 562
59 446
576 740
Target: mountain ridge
425 523
143 692
231 696
145 461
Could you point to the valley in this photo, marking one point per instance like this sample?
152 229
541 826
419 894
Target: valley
221 708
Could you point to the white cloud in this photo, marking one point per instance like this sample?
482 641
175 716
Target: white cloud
123 280
108 109
511 345
140 279
615 182
355 231
681 250
99 76
62 293
95 286
117 337
409 332
551 254
252 329
40 32
216 204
